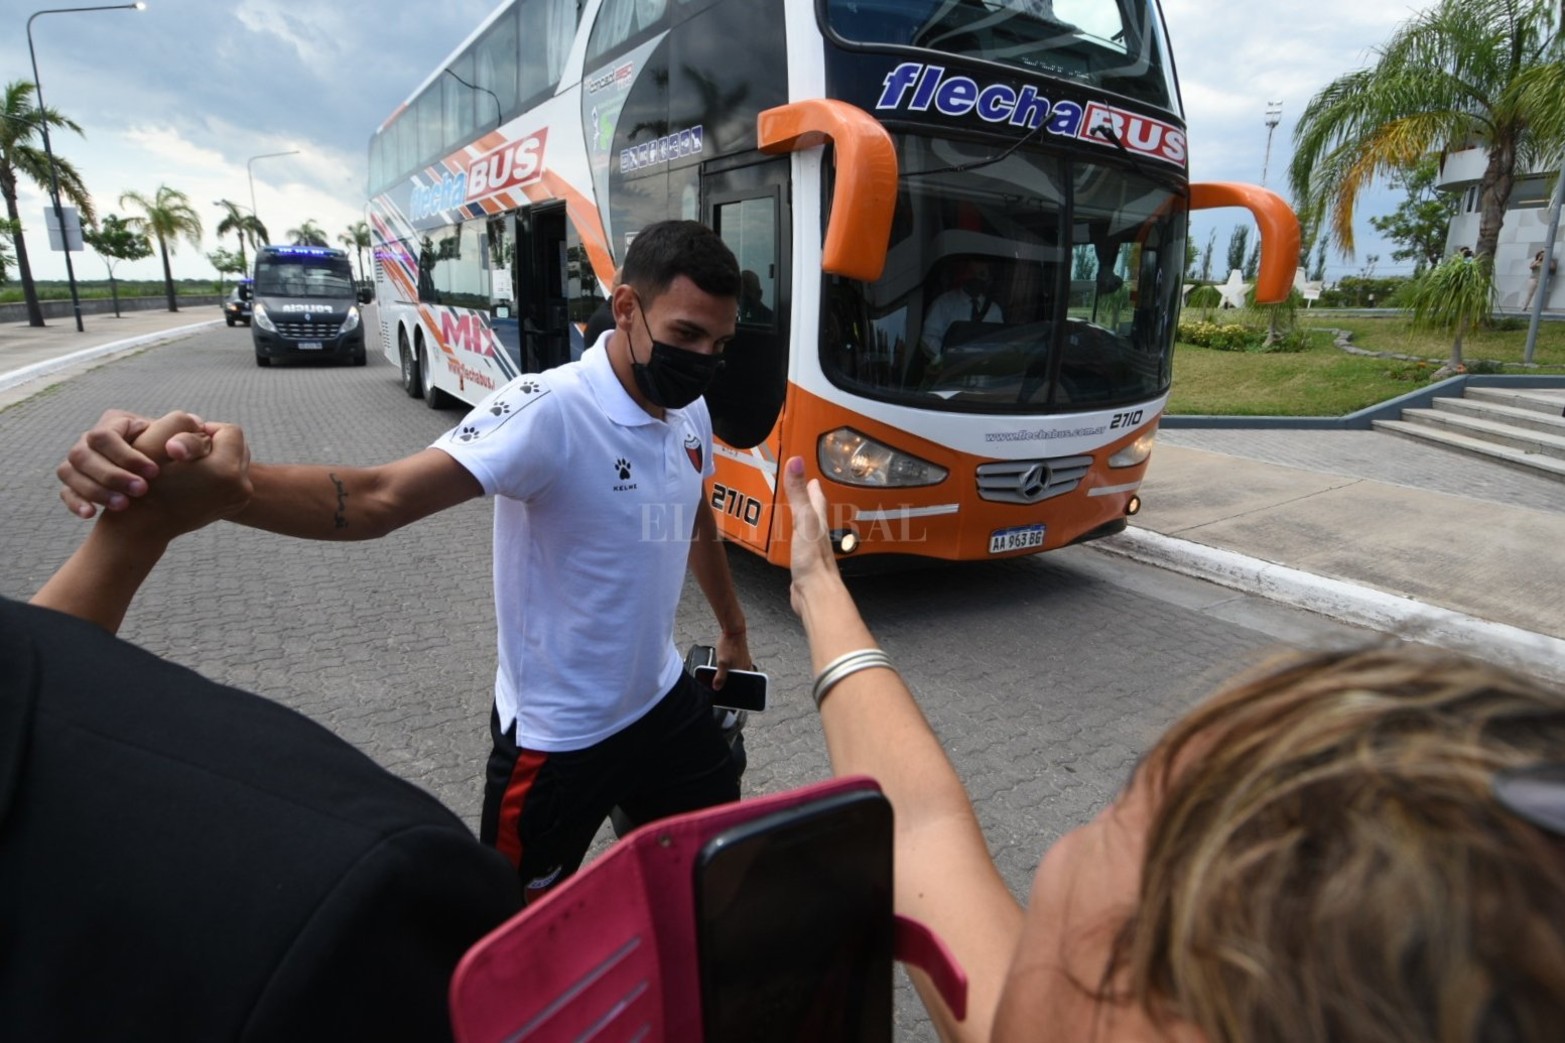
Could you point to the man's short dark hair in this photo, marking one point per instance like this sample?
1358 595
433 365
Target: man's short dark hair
663 252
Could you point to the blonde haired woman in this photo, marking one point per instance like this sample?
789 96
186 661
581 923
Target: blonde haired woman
1317 852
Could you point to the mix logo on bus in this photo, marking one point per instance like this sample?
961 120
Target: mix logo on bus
512 165
468 332
917 87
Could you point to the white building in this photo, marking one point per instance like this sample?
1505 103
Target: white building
1521 235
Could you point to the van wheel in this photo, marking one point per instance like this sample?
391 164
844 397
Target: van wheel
360 359
230 320
410 376
434 398
262 361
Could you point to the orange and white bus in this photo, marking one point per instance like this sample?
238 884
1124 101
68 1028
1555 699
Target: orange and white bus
962 226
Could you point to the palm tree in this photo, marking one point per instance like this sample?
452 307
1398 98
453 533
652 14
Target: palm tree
20 123
357 238
166 217
308 234
244 226
1462 73
1455 296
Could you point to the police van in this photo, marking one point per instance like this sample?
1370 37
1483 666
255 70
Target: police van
305 305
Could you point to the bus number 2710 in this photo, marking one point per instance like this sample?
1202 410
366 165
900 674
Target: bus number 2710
736 504
1130 419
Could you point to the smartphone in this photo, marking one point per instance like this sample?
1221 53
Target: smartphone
742 689
794 925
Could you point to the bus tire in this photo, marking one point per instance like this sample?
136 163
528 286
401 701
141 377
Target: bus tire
360 359
434 398
410 375
262 361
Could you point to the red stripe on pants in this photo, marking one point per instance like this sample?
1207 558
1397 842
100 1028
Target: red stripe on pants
508 840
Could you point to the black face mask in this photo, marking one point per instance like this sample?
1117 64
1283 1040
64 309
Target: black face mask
674 377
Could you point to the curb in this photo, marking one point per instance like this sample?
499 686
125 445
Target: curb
1404 617
17 377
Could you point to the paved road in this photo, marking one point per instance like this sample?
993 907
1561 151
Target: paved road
1046 676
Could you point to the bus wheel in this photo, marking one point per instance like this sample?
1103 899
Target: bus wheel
434 398
410 380
262 361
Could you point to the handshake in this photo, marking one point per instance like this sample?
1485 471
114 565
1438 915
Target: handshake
179 473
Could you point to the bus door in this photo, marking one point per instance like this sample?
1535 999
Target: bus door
500 259
745 199
541 308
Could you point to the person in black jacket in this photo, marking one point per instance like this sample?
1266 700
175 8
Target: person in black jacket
181 860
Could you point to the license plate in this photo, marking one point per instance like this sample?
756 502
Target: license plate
309 345
1003 540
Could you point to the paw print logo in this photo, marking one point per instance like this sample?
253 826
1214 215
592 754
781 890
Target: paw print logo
467 433
500 408
528 387
623 466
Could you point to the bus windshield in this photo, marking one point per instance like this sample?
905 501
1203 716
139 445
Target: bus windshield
1036 282
303 277
1115 45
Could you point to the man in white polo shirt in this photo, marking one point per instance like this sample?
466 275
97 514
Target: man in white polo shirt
596 468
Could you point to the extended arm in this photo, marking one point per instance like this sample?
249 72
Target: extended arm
944 875
115 464
320 502
709 563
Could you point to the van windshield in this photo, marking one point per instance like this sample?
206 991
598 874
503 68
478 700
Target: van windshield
303 277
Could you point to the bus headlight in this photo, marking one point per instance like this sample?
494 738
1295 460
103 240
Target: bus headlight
848 457
1137 451
261 319
351 322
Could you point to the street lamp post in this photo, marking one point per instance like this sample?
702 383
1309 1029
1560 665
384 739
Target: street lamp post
250 170
43 127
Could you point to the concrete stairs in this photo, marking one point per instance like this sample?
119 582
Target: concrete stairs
1524 429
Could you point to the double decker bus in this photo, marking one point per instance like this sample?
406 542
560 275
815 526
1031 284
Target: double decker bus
961 223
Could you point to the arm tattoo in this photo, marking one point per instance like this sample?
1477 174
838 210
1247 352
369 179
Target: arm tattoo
340 519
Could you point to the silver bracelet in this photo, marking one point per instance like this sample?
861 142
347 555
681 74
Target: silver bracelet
845 664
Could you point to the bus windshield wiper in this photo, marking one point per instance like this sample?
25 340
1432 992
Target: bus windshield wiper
978 164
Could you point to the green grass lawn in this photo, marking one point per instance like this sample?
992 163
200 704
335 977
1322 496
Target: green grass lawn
1324 381
60 290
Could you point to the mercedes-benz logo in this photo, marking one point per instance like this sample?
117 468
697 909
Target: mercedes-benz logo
1032 482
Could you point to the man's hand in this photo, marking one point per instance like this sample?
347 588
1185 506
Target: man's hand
203 477
733 653
104 469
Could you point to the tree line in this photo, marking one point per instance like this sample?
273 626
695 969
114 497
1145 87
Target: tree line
164 217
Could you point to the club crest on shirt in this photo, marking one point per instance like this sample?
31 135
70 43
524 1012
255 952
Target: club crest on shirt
693 450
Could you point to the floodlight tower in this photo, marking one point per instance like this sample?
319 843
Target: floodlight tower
1273 117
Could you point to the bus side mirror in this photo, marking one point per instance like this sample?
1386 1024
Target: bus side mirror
366 294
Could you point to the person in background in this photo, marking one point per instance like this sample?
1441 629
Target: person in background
601 320
969 300
180 860
1365 845
596 468
1535 275
752 299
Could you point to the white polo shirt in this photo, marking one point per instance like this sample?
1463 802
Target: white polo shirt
594 506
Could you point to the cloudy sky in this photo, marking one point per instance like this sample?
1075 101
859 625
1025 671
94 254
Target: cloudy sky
185 92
